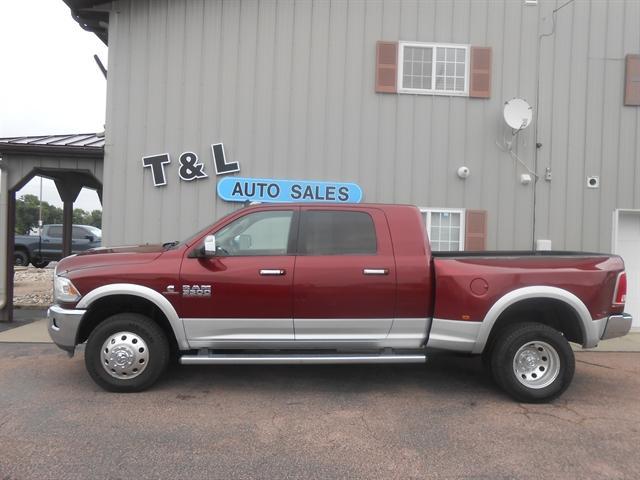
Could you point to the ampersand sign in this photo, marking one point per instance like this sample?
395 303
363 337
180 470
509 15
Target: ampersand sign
190 167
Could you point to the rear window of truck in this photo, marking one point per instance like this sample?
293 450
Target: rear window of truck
331 232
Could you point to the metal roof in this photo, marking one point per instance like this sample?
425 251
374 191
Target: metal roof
90 19
81 144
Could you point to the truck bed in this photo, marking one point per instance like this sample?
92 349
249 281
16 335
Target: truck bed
469 283
517 253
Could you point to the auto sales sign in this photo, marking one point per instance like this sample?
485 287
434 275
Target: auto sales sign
237 189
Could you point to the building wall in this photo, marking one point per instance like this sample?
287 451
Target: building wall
288 87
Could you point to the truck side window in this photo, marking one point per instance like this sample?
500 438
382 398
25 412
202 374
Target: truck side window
337 233
55 231
79 233
260 233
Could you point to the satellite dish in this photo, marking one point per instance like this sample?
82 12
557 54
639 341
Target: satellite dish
517 113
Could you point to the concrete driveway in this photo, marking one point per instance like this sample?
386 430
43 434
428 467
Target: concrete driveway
443 420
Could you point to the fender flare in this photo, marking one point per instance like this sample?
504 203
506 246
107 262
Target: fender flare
588 326
143 292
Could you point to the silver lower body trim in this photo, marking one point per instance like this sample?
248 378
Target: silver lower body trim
300 359
456 335
287 333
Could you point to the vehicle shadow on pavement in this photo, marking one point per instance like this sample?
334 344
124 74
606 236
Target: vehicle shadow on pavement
441 375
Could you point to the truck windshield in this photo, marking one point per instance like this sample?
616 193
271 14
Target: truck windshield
190 239
95 231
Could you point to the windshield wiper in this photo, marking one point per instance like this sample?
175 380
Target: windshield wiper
168 245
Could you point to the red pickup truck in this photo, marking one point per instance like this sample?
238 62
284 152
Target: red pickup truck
318 284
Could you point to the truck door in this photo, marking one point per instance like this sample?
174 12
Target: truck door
244 293
79 239
345 279
51 242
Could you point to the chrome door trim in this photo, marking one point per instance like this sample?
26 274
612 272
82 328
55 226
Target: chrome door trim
375 271
272 271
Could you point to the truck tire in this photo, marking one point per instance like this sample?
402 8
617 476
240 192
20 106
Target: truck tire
20 258
532 362
127 352
39 263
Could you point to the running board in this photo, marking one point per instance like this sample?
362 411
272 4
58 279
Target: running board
299 359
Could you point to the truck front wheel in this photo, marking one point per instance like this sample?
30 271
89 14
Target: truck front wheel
127 352
532 362
20 258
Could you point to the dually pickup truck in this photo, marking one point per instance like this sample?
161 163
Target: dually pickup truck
320 284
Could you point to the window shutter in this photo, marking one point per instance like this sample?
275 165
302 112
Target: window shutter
386 67
480 72
632 80
475 230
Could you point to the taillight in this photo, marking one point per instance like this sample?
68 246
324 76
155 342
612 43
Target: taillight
620 292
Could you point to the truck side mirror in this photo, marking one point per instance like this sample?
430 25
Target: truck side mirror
91 238
210 245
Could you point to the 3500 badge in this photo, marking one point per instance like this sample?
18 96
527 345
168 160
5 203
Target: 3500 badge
196 290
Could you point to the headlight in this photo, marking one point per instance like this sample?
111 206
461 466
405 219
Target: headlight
64 291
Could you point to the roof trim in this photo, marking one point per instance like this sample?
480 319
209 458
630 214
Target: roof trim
93 21
92 145
52 151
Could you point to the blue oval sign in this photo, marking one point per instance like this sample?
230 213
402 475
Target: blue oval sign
236 189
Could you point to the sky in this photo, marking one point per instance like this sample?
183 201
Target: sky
49 81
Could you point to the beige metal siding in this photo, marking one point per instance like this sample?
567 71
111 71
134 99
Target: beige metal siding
289 88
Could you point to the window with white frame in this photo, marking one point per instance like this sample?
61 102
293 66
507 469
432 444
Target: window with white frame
445 227
433 68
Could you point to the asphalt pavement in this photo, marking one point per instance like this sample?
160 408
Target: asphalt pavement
445 419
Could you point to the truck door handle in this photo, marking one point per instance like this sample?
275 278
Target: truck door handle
375 271
273 271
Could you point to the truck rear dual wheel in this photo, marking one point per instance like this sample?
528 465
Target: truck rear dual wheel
532 362
127 352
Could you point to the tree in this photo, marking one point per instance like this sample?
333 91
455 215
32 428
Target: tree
96 218
28 212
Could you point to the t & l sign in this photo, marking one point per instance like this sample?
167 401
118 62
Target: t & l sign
189 166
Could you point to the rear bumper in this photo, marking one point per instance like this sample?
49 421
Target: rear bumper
63 327
617 326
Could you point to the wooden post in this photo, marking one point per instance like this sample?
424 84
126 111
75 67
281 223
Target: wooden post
68 190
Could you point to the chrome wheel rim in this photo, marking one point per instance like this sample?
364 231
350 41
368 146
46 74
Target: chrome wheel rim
536 364
124 355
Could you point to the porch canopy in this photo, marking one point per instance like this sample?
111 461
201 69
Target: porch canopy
72 161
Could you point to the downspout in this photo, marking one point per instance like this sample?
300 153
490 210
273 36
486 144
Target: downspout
3 228
535 112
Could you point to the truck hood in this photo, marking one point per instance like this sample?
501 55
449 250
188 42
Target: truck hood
108 256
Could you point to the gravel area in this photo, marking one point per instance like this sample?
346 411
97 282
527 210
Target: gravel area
33 286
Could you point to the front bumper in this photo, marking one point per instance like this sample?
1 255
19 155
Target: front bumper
617 326
63 327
